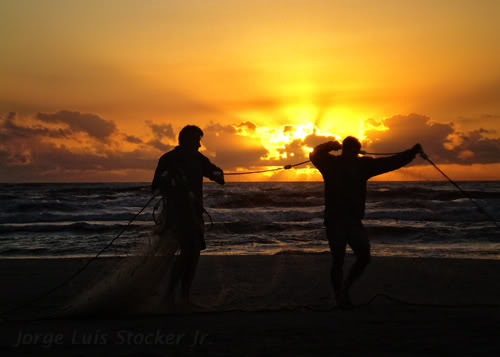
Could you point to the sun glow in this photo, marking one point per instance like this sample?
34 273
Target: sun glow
288 141
293 130
304 125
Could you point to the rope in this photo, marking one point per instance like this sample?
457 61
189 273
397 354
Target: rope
251 172
379 153
409 303
301 308
78 272
424 156
478 206
367 303
288 167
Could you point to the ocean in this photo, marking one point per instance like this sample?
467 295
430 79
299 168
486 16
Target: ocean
411 219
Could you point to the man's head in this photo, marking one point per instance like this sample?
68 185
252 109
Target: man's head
190 136
351 146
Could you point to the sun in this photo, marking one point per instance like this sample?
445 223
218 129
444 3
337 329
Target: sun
287 141
295 129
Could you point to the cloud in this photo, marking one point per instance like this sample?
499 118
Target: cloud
39 160
216 128
440 141
9 130
36 150
133 139
91 124
314 140
51 157
475 148
405 131
247 126
157 144
294 151
29 153
161 130
228 149
470 123
240 146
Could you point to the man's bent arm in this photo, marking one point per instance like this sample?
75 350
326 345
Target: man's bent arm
320 155
162 166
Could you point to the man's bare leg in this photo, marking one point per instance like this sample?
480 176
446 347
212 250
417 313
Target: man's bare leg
189 272
338 243
179 267
360 245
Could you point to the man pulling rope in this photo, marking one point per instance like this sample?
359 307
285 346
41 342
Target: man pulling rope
346 177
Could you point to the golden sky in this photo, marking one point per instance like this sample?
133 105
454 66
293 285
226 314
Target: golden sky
98 90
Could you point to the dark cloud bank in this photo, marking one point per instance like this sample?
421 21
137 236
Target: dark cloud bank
28 153
91 124
442 142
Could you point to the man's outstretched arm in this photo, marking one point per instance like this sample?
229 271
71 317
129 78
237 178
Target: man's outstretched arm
211 171
391 163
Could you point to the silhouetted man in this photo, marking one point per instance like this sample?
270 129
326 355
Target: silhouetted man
179 177
345 178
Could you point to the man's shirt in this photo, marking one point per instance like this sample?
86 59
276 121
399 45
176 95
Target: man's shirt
190 167
346 178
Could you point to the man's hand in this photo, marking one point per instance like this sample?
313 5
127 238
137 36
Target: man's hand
219 177
334 145
417 149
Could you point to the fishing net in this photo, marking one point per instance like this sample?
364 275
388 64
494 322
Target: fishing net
147 280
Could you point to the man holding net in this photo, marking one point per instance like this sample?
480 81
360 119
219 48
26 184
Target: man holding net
179 178
345 178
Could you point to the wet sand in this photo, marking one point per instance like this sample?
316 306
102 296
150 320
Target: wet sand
267 305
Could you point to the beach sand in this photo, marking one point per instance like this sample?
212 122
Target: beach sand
268 305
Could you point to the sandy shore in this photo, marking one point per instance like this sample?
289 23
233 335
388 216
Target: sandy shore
257 305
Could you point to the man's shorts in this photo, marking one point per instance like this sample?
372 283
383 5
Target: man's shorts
182 226
341 232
